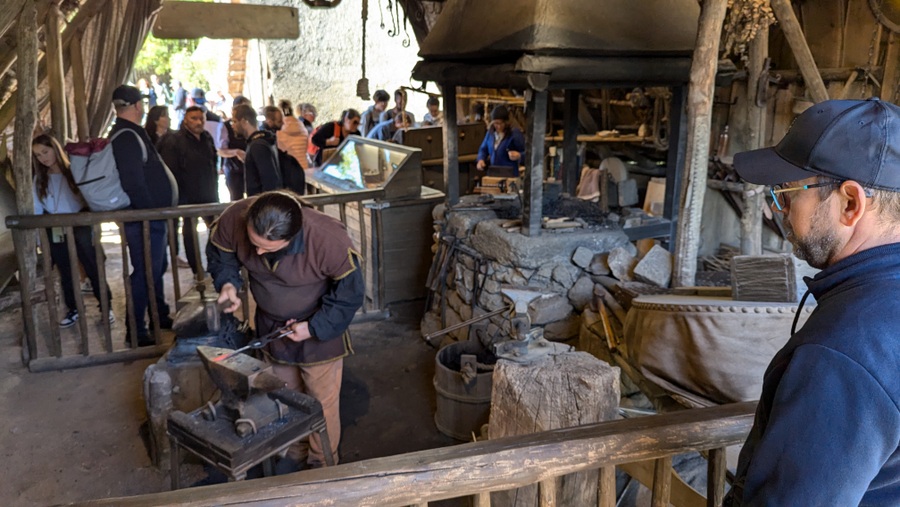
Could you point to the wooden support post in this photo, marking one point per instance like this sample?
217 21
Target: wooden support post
56 78
606 492
787 19
536 114
26 105
103 290
79 297
715 479
76 57
699 112
675 160
547 493
54 345
451 145
754 196
129 301
662 482
889 84
481 500
570 142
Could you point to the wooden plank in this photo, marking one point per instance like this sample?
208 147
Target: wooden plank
606 491
104 286
79 297
193 20
56 78
662 482
699 112
481 500
889 83
570 146
682 495
715 479
451 145
787 19
490 465
547 491
860 28
754 196
534 170
54 346
823 24
129 301
70 362
153 322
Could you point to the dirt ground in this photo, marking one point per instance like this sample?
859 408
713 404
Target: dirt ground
77 435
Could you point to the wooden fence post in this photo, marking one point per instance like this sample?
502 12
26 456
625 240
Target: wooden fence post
699 111
754 196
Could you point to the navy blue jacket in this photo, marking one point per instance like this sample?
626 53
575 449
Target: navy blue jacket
827 427
513 140
147 184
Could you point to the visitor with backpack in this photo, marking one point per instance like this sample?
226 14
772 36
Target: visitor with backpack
55 191
331 134
261 167
149 185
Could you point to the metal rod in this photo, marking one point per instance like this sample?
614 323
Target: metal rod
463 324
76 282
173 256
54 345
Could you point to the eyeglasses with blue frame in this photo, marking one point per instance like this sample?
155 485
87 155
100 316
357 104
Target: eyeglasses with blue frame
779 196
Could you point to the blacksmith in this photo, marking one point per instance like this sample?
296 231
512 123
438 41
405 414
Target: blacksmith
827 426
304 272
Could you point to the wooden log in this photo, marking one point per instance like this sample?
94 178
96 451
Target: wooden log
79 298
548 492
699 112
129 301
558 391
787 19
104 286
26 105
172 231
53 58
451 145
754 196
76 57
570 145
54 346
607 487
481 500
490 465
152 304
534 171
682 495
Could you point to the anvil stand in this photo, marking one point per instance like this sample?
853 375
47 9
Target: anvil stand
255 419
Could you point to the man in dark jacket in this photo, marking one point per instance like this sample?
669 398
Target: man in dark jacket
305 273
503 145
261 171
233 150
147 183
827 426
191 156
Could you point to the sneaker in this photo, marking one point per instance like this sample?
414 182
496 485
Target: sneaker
86 287
70 319
112 318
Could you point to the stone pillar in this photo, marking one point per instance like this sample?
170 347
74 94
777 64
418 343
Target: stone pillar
556 391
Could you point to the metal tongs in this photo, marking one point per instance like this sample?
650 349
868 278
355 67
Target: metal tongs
258 343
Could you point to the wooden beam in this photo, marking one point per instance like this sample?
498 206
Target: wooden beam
754 196
55 76
26 105
534 176
662 482
787 19
889 84
78 87
489 465
570 170
451 145
699 112
193 20
715 478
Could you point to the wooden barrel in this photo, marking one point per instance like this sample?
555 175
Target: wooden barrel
463 404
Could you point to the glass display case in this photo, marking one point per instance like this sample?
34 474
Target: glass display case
366 164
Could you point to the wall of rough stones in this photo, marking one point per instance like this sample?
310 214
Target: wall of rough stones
323 65
488 257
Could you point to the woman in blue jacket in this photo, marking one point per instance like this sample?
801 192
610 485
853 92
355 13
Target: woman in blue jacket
503 145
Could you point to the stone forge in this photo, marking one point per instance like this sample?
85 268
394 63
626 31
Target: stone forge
476 255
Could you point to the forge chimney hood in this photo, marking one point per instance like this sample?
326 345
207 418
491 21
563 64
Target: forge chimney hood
560 43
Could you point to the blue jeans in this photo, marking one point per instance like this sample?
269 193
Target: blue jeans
135 236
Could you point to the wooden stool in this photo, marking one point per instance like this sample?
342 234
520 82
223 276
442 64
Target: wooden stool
216 442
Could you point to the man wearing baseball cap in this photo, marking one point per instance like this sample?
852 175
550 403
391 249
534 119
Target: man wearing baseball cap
827 426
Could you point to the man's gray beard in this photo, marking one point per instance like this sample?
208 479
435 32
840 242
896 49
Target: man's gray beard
820 245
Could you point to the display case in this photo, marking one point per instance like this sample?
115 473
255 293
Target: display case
391 224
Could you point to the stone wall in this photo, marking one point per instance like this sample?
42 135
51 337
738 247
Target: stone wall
323 65
488 257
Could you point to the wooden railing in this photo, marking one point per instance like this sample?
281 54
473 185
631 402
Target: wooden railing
93 349
478 468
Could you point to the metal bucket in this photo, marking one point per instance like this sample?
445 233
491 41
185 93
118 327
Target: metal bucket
462 406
